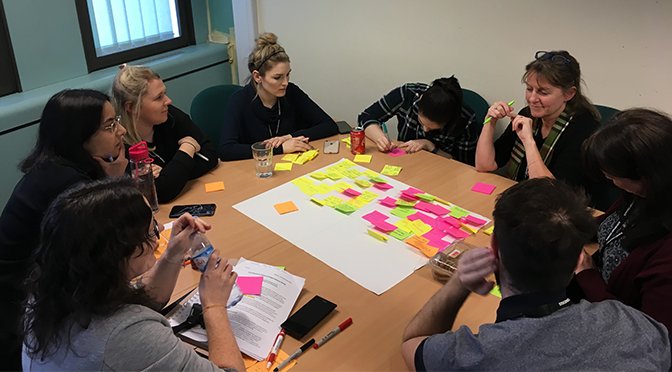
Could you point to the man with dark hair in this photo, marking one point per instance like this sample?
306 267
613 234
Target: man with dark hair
541 226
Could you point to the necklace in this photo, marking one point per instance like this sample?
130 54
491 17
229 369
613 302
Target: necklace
277 128
620 227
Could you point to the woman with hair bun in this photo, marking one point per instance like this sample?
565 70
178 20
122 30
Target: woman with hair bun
429 117
634 261
544 139
271 109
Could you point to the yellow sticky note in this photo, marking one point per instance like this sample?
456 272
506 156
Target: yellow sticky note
341 186
323 189
489 230
356 203
214 186
346 140
290 157
317 201
318 175
352 173
442 201
283 166
302 181
301 160
473 230
419 228
261 366
371 174
378 236
362 159
334 176
309 190
391 170
285 207
312 154
367 196
363 183
404 224
346 164
332 201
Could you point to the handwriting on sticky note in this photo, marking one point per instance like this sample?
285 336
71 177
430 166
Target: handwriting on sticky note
214 186
483 188
382 186
318 175
351 192
388 202
285 207
332 201
400 234
363 183
250 285
378 236
458 212
374 216
369 173
402 212
396 152
351 173
405 203
425 197
290 157
345 208
378 179
367 196
362 159
391 170
283 166
301 181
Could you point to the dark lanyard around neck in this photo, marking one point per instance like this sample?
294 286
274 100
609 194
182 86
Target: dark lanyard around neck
277 128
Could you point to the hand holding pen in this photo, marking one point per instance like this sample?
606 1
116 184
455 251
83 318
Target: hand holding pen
499 110
383 142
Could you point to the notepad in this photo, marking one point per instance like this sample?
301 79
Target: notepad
214 186
286 207
483 188
283 166
362 159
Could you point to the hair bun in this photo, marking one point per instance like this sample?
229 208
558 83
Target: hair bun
267 39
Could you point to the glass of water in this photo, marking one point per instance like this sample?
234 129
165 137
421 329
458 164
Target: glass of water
263 159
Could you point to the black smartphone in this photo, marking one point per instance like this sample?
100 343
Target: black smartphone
343 127
193 209
307 317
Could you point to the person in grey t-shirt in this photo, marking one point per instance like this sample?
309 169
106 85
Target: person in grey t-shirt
541 226
84 313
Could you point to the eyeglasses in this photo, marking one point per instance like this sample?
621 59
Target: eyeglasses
113 127
556 59
156 229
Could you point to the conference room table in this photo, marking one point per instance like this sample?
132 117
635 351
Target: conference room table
372 342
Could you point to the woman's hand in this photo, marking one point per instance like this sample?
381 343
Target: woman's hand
156 170
277 141
384 145
116 167
499 110
585 262
414 146
474 266
296 144
179 243
216 281
523 127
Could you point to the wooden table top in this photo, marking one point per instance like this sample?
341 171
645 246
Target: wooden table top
373 341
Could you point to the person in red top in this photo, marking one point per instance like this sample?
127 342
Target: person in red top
634 260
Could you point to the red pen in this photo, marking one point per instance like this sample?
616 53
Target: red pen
333 333
276 347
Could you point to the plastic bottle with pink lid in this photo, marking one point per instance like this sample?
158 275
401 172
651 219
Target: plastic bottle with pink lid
141 170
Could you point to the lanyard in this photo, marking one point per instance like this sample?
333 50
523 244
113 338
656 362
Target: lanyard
277 128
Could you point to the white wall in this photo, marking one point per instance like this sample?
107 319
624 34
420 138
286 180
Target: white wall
347 53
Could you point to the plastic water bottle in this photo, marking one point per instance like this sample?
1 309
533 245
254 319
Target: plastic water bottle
141 169
200 252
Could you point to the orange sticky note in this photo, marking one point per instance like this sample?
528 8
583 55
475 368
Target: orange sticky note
214 186
286 207
421 243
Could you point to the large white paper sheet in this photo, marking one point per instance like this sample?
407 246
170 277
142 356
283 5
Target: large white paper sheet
340 241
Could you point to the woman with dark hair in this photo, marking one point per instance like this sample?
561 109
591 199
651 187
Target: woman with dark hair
544 139
83 312
634 261
271 109
429 117
79 140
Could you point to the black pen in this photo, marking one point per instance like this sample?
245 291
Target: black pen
295 355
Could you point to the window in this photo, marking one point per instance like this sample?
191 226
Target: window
9 78
118 31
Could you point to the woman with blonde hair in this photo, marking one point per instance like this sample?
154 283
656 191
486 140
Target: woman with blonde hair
271 109
180 150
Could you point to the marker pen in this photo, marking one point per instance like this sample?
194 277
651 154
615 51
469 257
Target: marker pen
490 117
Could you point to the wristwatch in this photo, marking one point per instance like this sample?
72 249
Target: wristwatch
436 149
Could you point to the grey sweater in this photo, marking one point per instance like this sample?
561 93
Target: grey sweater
135 338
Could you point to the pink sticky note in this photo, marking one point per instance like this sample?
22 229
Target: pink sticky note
396 152
382 186
423 206
250 285
438 243
457 233
434 234
375 216
388 202
438 210
352 192
410 197
384 226
452 221
474 220
483 188
413 191
422 217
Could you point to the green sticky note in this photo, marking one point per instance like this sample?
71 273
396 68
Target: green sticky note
363 183
400 234
495 291
378 180
403 212
426 197
345 208
280 267
406 203
457 212
351 173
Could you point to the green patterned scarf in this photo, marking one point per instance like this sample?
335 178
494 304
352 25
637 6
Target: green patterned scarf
546 152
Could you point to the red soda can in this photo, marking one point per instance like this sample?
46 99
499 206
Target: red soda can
357 137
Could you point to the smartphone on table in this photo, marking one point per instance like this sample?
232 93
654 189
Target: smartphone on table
307 317
331 147
193 209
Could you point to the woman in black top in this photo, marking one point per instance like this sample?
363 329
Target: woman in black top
271 109
79 140
180 150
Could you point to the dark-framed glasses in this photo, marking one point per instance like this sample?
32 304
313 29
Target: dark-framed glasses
156 229
113 127
555 58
